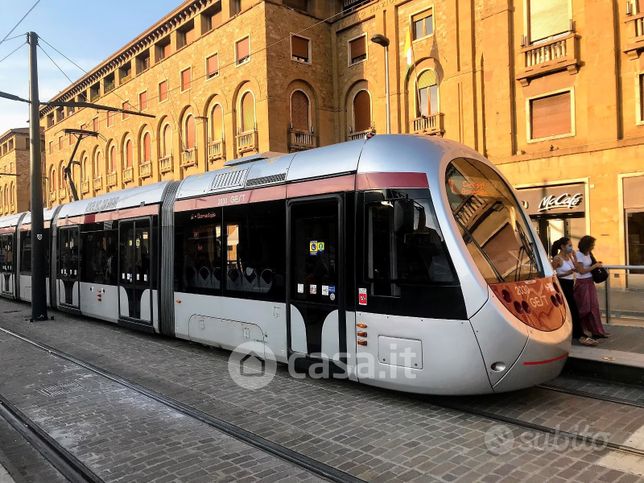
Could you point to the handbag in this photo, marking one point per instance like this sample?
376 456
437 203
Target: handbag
600 274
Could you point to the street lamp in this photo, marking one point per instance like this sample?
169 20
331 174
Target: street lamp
384 42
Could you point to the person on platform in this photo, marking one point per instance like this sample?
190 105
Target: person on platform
563 261
585 291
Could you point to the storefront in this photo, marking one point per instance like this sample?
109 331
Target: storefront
633 187
556 211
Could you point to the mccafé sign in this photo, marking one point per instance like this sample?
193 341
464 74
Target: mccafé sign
550 200
553 202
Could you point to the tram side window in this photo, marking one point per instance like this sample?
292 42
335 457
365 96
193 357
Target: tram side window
6 253
25 252
99 261
255 250
198 253
404 243
68 253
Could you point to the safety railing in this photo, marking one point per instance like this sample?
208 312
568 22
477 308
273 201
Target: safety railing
622 295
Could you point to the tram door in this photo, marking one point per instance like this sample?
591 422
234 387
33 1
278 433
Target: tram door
69 267
135 281
7 265
316 312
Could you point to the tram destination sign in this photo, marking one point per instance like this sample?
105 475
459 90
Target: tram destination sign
545 200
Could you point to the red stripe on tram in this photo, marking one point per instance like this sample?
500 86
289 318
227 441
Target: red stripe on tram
545 361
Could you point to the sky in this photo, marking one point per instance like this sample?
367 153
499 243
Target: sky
86 31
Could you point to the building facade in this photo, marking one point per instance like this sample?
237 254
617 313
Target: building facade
552 91
14 171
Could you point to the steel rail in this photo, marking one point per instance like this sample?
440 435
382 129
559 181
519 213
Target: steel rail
592 395
60 458
312 465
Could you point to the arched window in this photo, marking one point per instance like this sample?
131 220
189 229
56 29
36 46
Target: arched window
427 98
217 122
53 181
61 174
166 141
111 159
300 111
98 160
85 175
5 201
189 132
362 111
11 193
146 152
127 153
247 112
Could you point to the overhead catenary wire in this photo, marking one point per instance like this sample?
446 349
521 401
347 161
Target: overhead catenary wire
6 37
13 52
54 62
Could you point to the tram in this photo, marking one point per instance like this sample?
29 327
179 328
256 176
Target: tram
406 260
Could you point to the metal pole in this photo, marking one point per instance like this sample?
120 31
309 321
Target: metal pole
607 288
387 89
38 284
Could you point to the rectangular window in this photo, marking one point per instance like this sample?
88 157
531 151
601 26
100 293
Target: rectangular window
242 51
128 107
60 142
186 77
163 90
101 241
162 49
143 100
300 49
422 24
548 18
50 119
94 91
108 83
551 116
358 49
143 62
124 72
212 65
95 124
211 18
641 94
186 34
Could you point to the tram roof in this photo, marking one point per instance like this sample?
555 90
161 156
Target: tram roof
10 220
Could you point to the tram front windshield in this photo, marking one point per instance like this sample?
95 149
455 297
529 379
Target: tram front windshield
491 222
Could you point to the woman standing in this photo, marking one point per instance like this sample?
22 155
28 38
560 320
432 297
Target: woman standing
563 261
585 291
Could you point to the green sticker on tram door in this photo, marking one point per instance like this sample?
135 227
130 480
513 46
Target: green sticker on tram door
316 247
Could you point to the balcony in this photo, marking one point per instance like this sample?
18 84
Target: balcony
52 196
188 157
246 141
553 55
111 180
354 136
635 32
215 150
85 186
165 164
432 125
299 140
128 175
145 170
98 183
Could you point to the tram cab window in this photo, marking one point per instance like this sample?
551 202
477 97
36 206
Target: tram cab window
198 245
6 253
100 260
405 246
255 248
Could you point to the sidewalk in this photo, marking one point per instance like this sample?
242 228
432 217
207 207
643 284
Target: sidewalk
620 357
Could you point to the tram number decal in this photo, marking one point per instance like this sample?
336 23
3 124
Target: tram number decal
539 301
362 296
522 290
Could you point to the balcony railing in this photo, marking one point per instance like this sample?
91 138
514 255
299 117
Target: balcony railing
622 295
246 141
165 164
550 56
352 136
85 186
128 175
432 124
635 32
300 140
98 183
215 150
188 157
145 170
111 179
52 196
62 193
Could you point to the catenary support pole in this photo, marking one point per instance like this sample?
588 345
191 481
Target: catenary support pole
38 241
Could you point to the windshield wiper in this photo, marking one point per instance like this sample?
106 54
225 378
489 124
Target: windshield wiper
499 277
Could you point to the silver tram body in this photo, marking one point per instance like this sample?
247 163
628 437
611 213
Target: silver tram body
395 258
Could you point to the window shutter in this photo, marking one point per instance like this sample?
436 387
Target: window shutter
143 100
111 159
212 65
358 48
146 147
361 112
185 79
550 116
243 47
128 154
300 111
163 91
248 113
300 47
190 132
217 123
548 17
190 35
167 140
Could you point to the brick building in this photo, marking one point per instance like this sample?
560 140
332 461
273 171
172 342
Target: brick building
552 91
14 171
